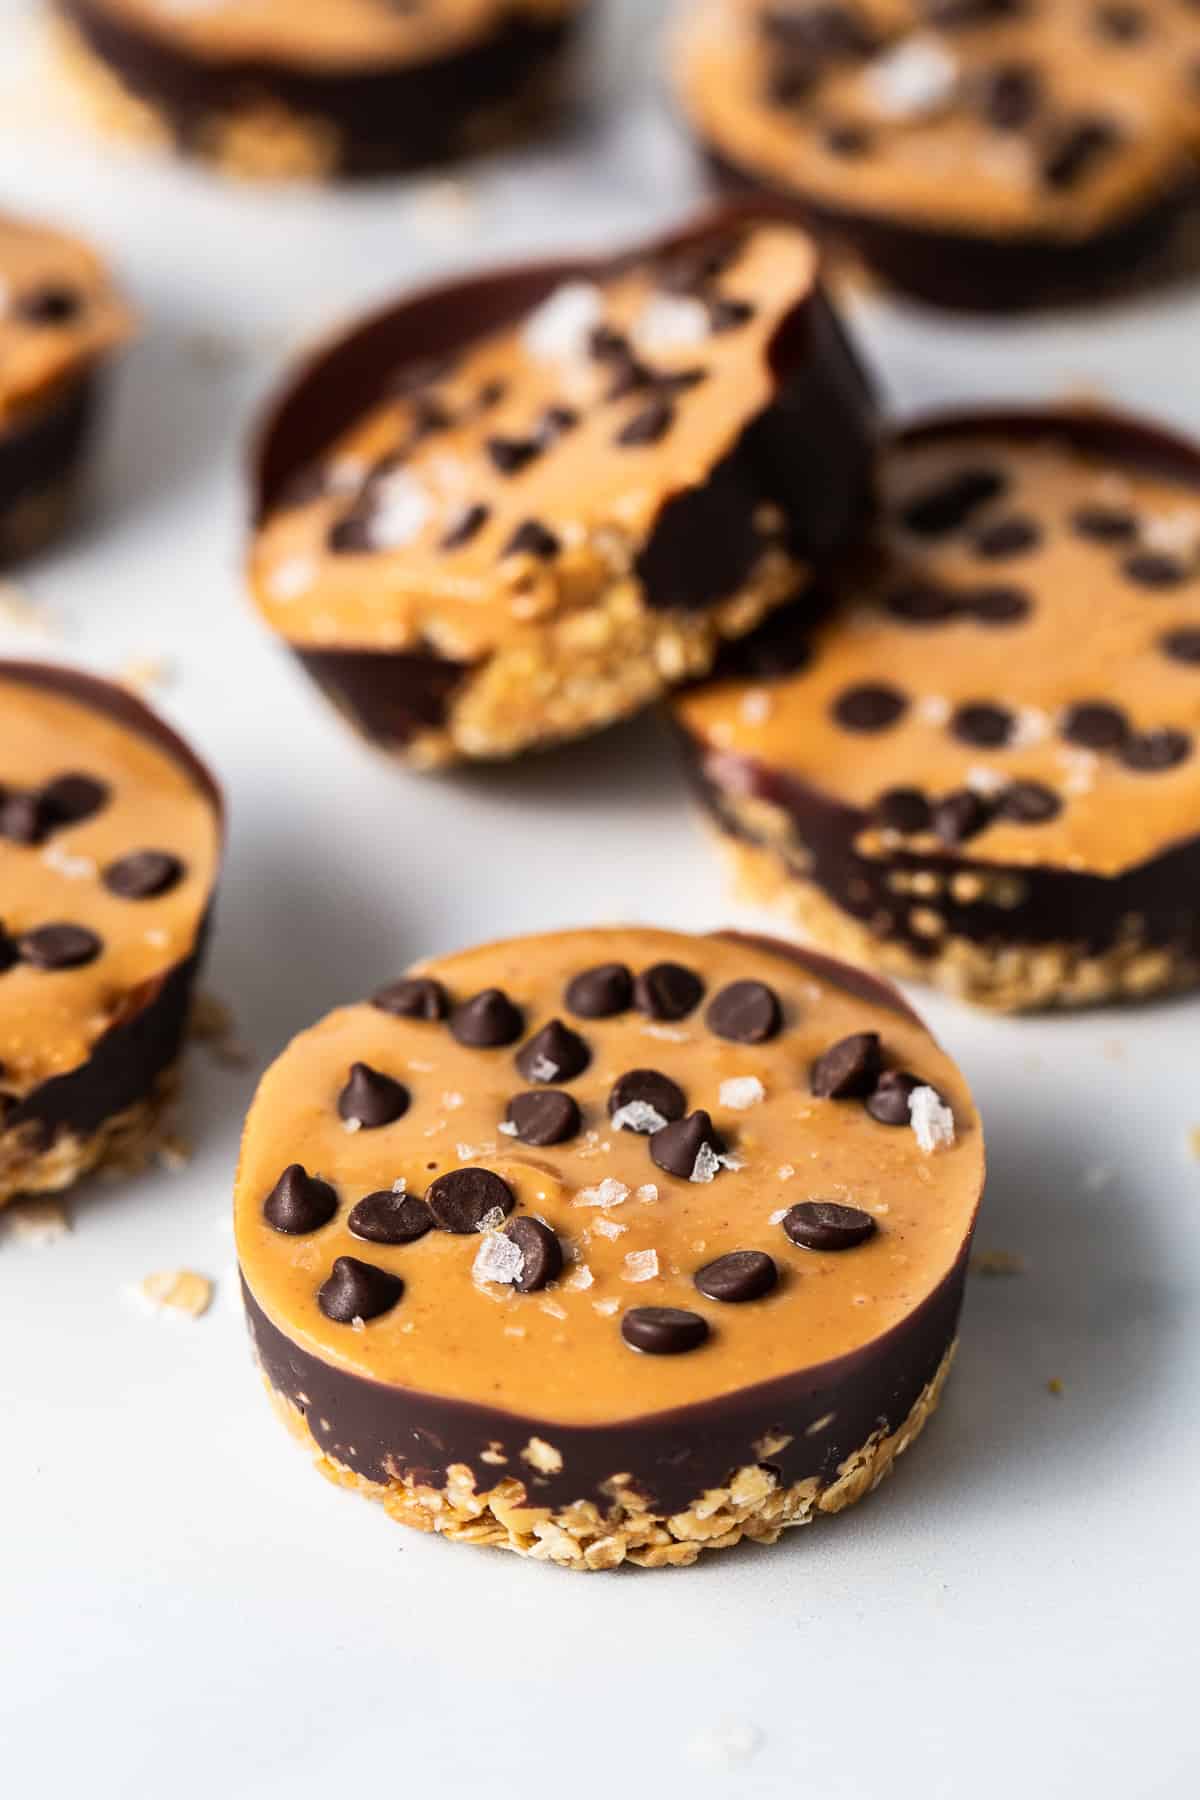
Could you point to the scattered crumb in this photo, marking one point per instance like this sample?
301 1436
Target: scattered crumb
542 1456
142 675
1194 1141
727 1744
173 1153
22 614
1114 1049
997 1262
442 208
37 1223
1054 1385
177 1292
212 351
212 1024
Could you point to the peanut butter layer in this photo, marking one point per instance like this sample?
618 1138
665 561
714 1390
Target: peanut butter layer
518 485
1017 679
578 1348
326 34
1051 118
108 853
59 314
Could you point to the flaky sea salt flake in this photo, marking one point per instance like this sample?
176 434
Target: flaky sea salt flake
742 1091
609 1193
559 329
932 1120
641 1265
498 1259
918 75
638 1115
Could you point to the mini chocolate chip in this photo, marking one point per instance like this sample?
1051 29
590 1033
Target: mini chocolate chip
905 810
828 1225
888 1105
462 1200
1122 24
299 1203
921 603
606 344
676 1147
663 1330
555 422
53 304
531 538
371 1098
649 425
826 30
678 381
600 993
842 137
788 81
726 314
646 1087
143 875
491 394
947 14
629 377
849 1069
1183 645
667 990
358 1290
1010 94
745 1012
511 455
948 506
1154 569
741 1275
1076 150
982 723
1095 725
59 946
998 605
545 1118
1007 537
1028 803
416 997
390 1218
556 1053
870 707
25 818
1104 524
469 523
427 417
1149 752
960 815
9 955
302 488
542 1253
73 798
487 1020
351 534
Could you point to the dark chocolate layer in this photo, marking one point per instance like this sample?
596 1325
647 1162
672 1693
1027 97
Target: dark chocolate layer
387 118
1059 906
40 452
811 452
128 1059
1016 272
386 1433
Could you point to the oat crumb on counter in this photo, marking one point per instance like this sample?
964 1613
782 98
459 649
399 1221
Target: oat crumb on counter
180 1293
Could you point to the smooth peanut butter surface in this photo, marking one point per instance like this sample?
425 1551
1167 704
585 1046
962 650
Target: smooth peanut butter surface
633 1235
974 115
327 33
56 870
1031 634
58 314
522 482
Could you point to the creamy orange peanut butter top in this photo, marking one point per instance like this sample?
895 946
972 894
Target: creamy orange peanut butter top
1019 675
598 1143
521 482
58 314
1001 116
108 853
328 33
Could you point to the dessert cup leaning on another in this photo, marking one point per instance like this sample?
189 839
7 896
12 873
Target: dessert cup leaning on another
269 89
610 1245
982 769
110 840
515 509
60 321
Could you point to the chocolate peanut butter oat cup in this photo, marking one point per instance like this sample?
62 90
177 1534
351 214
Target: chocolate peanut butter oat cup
60 321
267 88
513 510
983 768
610 1245
979 154
110 837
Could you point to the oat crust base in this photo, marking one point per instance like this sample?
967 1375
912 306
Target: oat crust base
753 1504
126 1143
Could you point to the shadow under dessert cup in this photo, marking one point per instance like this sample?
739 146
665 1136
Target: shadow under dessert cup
269 88
983 768
977 154
610 1245
515 509
110 837
60 320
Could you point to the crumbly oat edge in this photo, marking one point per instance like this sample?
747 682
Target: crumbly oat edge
126 1143
580 1536
1007 978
